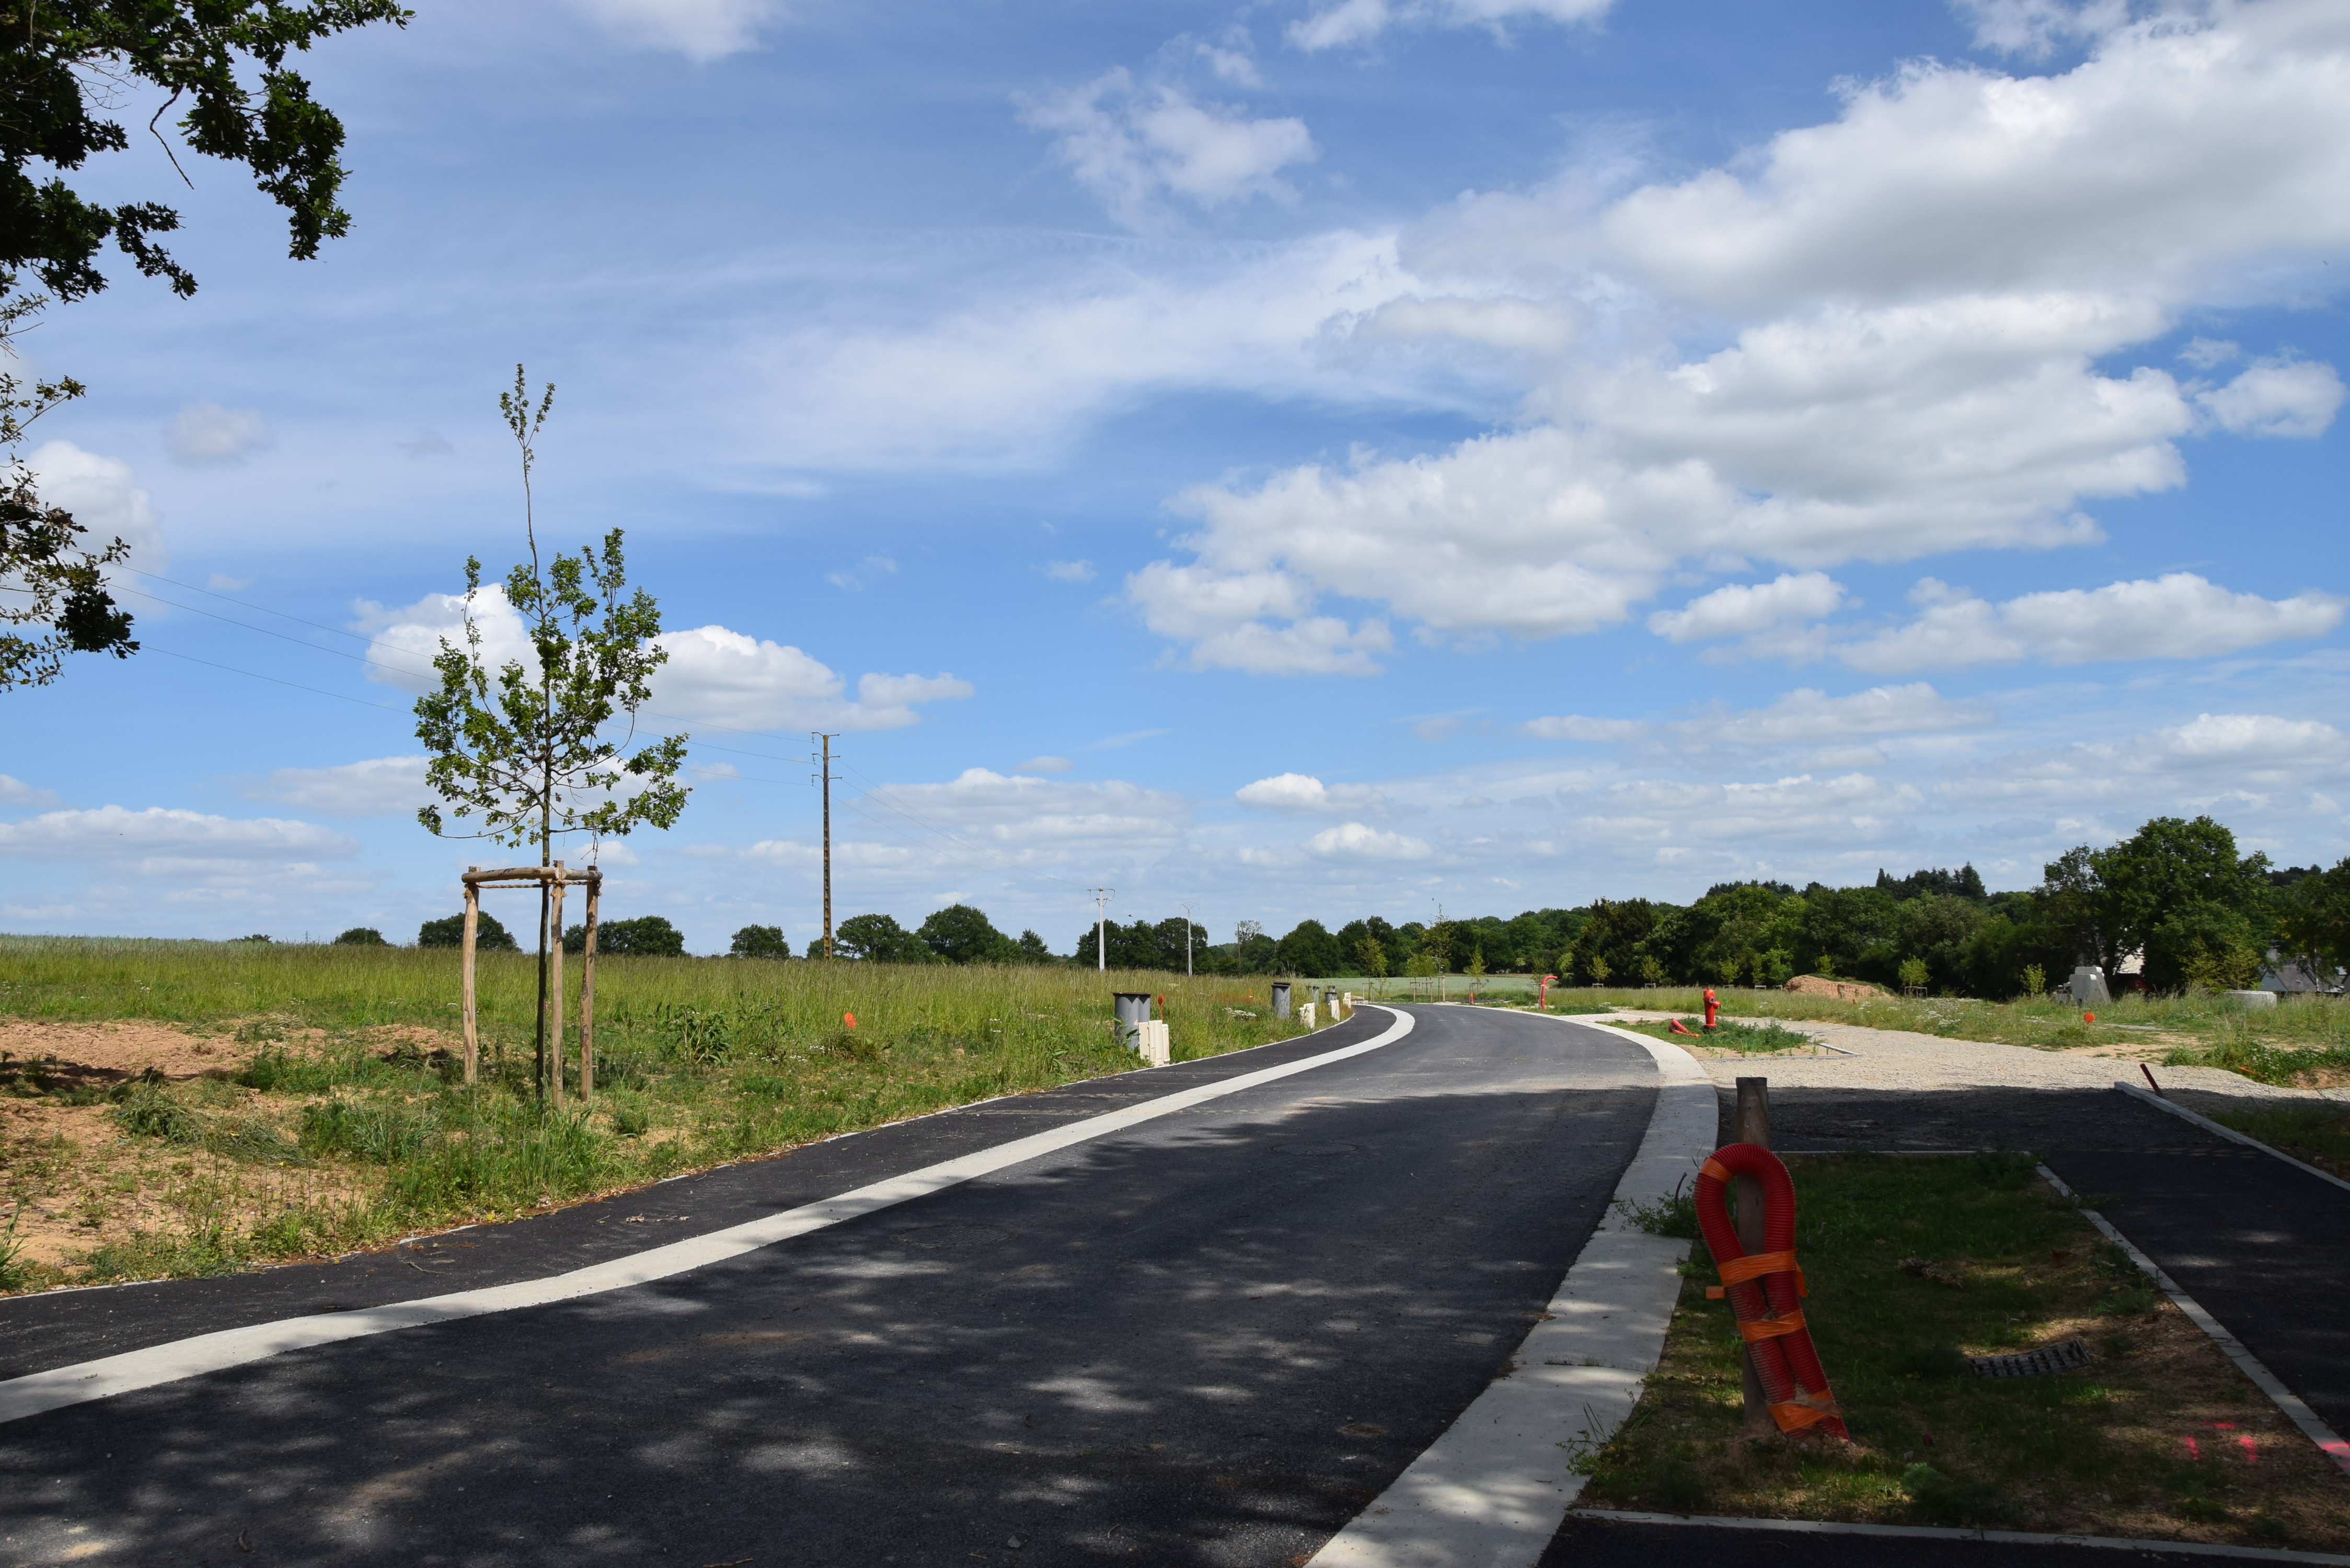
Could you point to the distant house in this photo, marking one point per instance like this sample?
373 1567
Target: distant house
2290 979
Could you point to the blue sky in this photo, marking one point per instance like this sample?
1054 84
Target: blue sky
1290 459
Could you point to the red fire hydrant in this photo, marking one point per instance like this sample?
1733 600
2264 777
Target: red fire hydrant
1711 1007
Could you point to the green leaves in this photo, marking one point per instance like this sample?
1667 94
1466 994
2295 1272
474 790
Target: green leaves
529 751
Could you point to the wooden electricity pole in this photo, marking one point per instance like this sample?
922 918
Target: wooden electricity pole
824 778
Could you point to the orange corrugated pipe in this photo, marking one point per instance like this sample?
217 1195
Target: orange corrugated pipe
1764 1290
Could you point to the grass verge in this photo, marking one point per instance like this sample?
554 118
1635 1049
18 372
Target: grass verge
1745 1039
315 1103
2159 1436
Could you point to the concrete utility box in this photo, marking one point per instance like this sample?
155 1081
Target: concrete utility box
2251 998
2088 986
1281 999
1133 1011
1151 1040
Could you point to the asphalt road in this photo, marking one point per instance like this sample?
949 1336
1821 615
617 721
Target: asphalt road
1210 1339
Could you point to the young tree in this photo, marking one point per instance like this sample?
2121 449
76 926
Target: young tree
760 942
525 750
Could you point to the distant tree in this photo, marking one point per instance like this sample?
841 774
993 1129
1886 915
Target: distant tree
961 934
647 936
364 937
755 942
489 936
2112 902
256 937
1309 949
1034 951
1371 957
2313 922
534 759
878 939
1475 968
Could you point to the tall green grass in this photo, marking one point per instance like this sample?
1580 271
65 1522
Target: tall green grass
699 1062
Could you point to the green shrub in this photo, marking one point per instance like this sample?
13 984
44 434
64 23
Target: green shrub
759 941
379 1134
362 937
148 1111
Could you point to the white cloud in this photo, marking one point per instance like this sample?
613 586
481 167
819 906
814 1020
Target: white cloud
2034 27
2176 616
1234 58
17 792
1356 21
1913 316
713 675
1069 571
2292 398
170 842
701 30
203 434
1811 717
1771 618
1575 727
2207 353
380 786
2239 741
1222 615
1129 144
1355 841
1302 794
101 493
1044 765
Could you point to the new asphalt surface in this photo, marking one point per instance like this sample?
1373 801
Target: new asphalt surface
1208 1339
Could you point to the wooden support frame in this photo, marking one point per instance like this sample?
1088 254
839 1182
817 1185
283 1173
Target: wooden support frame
551 882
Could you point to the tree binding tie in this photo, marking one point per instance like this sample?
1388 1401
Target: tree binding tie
1765 1288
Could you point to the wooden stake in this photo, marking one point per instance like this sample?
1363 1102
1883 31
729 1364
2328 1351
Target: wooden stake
1751 1123
554 989
588 994
465 985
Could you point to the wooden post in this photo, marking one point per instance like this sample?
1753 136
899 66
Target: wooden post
1751 1123
465 983
587 993
555 987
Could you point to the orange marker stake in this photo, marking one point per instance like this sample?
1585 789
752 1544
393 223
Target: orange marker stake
849 1019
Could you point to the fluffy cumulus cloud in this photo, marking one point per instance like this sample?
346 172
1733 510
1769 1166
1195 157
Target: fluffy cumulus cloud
103 497
380 786
17 793
1303 794
1921 320
205 434
163 842
701 30
1811 717
1133 146
1358 841
2178 616
1355 23
1771 619
712 676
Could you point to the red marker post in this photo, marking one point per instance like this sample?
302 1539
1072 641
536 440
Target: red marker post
1547 980
1711 1007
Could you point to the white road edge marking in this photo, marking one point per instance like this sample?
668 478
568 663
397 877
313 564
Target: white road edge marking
39 1391
1491 1491
2296 1410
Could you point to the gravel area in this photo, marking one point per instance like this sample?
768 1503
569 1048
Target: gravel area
1900 1090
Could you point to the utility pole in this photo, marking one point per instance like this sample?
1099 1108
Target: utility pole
825 778
1187 941
1102 896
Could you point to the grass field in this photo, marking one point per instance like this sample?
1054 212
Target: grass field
1914 1265
308 1098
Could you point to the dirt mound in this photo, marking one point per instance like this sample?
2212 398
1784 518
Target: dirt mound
110 1053
1841 990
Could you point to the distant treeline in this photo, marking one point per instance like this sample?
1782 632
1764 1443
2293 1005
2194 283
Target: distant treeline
2176 892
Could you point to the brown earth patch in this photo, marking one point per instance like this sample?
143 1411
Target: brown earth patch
102 1054
1841 990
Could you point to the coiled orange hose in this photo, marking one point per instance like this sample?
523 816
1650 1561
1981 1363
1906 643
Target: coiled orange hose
1764 1289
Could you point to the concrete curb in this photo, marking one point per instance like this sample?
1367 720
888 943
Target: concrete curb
2296 1410
2208 1124
1492 1489
1928 1532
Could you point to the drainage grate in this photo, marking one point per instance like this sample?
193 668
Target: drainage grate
2037 1362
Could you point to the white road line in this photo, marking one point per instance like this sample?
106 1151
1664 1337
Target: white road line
112 1375
1491 1492
2296 1408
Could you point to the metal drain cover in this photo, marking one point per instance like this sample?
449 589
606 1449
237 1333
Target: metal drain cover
2040 1363
954 1238
1317 1148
